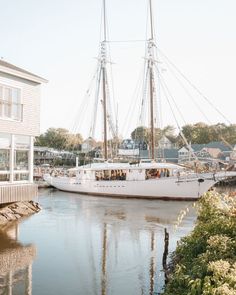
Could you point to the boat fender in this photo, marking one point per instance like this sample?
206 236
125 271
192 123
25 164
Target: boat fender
200 180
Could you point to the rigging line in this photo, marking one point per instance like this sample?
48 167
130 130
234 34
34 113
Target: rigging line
85 99
111 98
79 112
159 112
195 87
171 108
143 105
131 106
176 121
199 108
97 91
109 113
88 91
113 103
188 93
129 115
177 108
143 90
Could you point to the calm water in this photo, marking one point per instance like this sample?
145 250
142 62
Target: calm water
91 245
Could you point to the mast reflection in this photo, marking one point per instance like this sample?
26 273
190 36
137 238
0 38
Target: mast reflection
152 263
104 258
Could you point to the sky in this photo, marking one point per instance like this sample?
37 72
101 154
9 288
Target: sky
59 40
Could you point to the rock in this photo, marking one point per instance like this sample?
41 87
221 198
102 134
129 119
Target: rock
33 206
17 210
3 220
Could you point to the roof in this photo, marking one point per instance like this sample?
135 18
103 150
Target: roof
9 68
220 145
214 144
168 154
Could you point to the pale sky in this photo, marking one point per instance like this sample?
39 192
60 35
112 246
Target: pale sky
58 40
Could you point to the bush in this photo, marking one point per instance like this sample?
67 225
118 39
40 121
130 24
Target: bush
205 261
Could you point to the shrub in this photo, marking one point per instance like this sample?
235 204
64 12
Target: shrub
205 261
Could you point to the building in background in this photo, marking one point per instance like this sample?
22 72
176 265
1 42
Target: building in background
209 152
19 124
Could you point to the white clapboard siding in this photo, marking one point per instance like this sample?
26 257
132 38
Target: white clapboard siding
17 192
30 92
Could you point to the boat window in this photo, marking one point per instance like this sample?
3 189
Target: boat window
110 175
157 173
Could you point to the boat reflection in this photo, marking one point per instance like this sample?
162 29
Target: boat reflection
132 236
92 245
15 263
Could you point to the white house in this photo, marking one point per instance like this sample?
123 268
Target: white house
19 124
184 155
165 143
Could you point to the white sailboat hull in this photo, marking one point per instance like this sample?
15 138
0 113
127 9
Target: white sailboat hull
166 188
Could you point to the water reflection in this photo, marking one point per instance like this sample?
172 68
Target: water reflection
15 263
93 245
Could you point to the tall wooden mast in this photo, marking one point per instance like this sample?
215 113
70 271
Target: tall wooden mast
104 76
151 86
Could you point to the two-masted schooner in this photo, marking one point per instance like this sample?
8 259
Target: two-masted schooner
145 179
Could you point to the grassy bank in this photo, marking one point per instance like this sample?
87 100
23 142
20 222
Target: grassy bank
205 261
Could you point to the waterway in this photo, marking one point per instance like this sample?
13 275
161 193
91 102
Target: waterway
91 245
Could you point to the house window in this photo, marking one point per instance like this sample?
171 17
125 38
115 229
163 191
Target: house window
10 103
4 159
21 176
5 143
5 177
22 142
21 160
19 153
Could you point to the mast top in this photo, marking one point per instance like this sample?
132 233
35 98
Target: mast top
104 22
151 19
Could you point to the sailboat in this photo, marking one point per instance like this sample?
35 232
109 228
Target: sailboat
144 179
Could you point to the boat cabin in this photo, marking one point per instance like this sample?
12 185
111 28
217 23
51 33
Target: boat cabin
127 173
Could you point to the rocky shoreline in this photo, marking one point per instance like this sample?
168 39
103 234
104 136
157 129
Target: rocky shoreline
15 211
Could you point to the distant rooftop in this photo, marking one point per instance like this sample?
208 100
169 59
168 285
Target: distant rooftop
214 144
26 74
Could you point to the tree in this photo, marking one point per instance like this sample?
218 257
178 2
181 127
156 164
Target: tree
59 138
140 133
143 133
74 141
202 133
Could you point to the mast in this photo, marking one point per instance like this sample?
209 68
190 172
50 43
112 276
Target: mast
103 64
151 114
151 78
